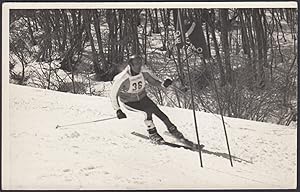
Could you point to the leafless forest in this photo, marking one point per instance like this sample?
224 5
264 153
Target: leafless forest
242 62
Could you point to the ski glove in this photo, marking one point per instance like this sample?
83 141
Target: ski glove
167 83
120 114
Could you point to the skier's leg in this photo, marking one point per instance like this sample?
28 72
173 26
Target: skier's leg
162 116
138 106
153 134
159 113
152 107
142 106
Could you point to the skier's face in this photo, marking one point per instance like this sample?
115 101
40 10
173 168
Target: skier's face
136 65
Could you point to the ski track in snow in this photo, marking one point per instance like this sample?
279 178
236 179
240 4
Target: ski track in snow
104 155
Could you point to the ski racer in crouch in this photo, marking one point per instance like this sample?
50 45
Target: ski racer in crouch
129 87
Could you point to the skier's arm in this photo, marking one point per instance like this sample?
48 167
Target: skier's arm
114 93
153 79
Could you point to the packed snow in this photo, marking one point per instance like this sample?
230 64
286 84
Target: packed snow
87 153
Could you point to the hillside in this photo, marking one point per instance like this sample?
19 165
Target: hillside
104 155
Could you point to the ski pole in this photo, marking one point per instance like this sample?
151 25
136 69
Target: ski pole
182 90
221 113
67 125
190 83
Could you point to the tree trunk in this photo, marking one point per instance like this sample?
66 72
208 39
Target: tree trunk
260 39
65 27
135 40
165 20
156 28
30 31
151 22
211 23
96 22
225 45
87 23
252 57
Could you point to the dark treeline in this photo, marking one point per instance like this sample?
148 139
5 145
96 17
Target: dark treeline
248 59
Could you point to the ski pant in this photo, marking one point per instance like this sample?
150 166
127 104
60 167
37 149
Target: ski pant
149 107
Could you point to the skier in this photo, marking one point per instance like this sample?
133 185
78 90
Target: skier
129 87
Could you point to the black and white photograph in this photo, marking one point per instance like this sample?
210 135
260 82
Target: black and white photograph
149 95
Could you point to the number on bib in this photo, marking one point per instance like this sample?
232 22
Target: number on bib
138 85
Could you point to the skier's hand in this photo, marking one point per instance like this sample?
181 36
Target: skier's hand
167 83
120 114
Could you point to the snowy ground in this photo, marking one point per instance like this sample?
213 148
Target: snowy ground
104 155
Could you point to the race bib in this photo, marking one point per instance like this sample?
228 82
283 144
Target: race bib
137 83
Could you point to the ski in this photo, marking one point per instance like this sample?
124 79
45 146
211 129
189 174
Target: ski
166 143
187 142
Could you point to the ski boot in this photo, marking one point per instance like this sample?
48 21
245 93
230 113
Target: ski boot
174 131
179 136
155 137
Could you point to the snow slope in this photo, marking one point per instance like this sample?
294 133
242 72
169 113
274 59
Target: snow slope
104 155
